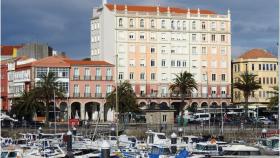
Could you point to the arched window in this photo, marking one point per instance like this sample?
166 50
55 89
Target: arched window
203 25
184 25
120 22
172 25
142 23
152 23
163 24
131 23
178 25
193 25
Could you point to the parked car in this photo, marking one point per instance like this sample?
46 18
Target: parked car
265 121
199 117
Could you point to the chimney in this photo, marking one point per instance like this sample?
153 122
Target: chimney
104 2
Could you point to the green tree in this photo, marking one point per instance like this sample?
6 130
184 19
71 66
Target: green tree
126 98
45 89
274 100
26 105
183 85
192 108
247 83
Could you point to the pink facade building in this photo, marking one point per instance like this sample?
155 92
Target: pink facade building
90 83
86 83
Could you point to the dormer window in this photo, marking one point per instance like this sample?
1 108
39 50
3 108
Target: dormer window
163 24
203 26
172 25
178 25
193 25
131 23
152 24
142 23
120 22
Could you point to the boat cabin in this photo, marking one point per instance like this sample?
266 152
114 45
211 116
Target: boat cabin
156 138
240 150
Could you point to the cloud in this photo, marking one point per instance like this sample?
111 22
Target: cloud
65 24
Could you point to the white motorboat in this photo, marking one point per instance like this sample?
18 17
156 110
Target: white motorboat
269 146
160 151
11 153
241 150
6 141
156 138
207 148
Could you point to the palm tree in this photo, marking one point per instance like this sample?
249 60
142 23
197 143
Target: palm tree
45 89
183 84
247 83
26 105
274 100
126 98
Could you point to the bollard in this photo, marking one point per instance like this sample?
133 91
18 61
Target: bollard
74 131
173 143
69 145
180 132
105 150
264 131
113 131
39 132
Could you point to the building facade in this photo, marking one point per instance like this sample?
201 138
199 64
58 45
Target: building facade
8 52
85 83
151 44
4 86
90 83
263 64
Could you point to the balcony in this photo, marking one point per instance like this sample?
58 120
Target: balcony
98 78
75 95
87 95
153 95
107 94
109 78
86 77
76 77
164 95
98 95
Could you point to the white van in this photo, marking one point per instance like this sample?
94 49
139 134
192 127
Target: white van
202 117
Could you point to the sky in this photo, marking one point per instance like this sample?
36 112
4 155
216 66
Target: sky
65 24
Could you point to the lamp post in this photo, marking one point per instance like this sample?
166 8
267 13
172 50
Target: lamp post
54 111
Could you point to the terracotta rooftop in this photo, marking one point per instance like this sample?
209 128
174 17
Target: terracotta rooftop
83 62
23 66
51 61
257 53
8 50
154 9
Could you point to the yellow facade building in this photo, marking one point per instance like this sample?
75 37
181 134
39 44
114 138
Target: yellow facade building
261 63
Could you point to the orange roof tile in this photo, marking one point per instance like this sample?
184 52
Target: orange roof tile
8 50
51 61
83 62
257 53
23 66
154 9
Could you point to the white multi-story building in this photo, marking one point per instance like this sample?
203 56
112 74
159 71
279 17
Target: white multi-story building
152 44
